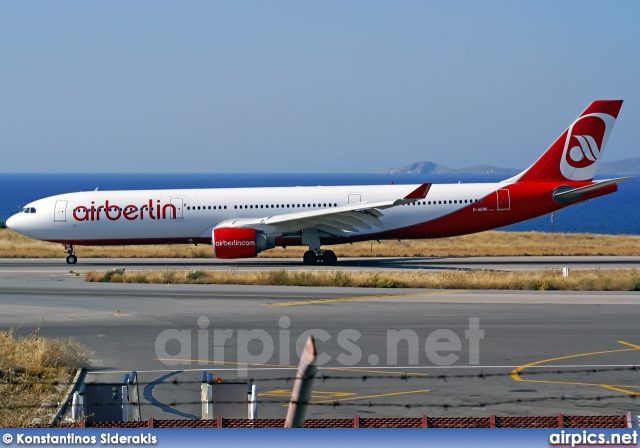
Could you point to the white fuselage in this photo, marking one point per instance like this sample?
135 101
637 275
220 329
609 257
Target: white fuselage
182 215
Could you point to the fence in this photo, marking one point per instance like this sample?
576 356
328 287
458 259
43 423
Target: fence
424 421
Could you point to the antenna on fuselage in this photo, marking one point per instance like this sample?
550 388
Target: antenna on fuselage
96 189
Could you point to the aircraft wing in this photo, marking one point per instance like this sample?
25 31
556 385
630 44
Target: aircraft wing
335 221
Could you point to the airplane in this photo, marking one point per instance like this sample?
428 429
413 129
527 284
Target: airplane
242 222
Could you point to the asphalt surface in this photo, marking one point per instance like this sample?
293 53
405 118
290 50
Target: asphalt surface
529 263
383 352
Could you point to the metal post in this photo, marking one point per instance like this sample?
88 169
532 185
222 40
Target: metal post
125 399
134 396
205 397
302 386
75 406
253 403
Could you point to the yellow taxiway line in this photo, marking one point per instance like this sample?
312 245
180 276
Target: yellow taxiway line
515 373
347 299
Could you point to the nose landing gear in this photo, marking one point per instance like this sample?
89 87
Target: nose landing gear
71 258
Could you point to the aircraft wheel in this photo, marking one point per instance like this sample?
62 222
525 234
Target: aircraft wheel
72 259
329 257
310 257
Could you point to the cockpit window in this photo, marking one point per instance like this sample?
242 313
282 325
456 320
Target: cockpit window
28 210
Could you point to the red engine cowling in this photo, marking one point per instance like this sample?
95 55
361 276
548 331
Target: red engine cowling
237 242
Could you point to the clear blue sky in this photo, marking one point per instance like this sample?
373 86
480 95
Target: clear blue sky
331 86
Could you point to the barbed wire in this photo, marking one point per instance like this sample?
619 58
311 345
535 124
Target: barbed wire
403 376
360 402
337 403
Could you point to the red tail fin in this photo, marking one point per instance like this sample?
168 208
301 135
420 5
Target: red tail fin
576 153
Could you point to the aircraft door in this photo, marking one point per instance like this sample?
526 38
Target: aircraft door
60 213
503 199
354 198
177 203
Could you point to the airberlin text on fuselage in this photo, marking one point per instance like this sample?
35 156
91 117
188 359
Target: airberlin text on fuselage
114 212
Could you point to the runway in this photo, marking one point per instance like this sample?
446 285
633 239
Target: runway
400 352
529 263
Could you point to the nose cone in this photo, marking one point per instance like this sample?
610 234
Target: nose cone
16 223
9 222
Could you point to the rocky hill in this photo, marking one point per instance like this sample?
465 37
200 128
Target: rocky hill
435 169
626 166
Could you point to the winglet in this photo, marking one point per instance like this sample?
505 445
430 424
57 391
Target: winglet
420 192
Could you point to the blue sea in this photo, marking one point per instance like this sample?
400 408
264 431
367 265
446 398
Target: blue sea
618 213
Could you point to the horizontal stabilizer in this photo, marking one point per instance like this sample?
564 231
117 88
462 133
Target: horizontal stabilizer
575 193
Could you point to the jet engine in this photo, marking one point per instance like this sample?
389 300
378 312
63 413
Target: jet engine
238 242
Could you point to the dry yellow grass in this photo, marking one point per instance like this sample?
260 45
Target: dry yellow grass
587 280
14 245
34 373
493 243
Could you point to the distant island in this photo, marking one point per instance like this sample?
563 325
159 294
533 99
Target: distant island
620 167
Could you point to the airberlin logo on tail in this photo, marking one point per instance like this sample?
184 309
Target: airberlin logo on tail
113 212
585 141
584 150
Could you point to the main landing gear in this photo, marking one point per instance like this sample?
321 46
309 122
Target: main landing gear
71 258
316 255
327 257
